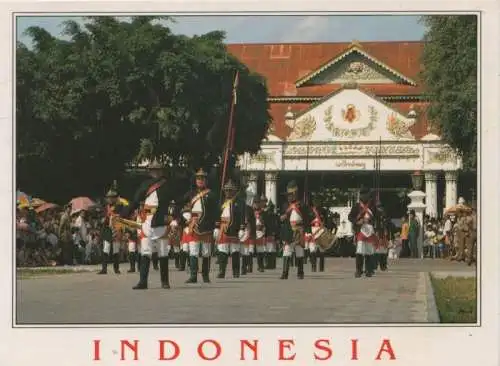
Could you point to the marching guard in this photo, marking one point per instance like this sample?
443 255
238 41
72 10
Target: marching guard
362 217
111 235
247 237
175 232
186 238
318 226
271 226
154 230
294 221
230 221
203 206
260 231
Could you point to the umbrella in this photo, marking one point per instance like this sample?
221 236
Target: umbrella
81 204
457 208
22 199
46 206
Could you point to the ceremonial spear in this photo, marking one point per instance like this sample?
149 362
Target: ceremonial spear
230 133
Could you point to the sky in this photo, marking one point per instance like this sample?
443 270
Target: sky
273 29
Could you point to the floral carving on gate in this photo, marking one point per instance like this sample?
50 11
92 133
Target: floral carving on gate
350 132
397 127
304 128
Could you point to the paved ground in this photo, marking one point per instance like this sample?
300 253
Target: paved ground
335 296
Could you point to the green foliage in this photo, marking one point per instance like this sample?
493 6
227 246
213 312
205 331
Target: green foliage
118 92
450 76
456 299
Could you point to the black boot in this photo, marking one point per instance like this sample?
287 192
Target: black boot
250 263
322 262
359 265
383 262
177 260
182 260
244 265
116 263
235 264
300 268
313 262
143 274
292 260
154 259
131 260
193 270
223 259
369 262
260 262
274 257
104 264
307 254
286 268
164 272
205 269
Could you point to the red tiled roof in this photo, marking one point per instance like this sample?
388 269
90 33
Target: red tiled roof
377 89
284 64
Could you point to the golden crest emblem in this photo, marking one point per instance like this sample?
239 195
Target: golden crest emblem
350 114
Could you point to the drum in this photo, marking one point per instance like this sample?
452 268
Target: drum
326 240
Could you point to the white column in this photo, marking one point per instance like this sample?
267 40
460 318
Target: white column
451 187
270 187
431 193
251 190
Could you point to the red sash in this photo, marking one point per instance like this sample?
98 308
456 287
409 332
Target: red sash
364 210
155 186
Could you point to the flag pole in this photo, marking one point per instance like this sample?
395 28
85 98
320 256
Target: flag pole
230 132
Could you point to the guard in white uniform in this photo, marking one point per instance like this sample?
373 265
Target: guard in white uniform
260 234
155 225
362 217
227 236
112 237
204 212
294 228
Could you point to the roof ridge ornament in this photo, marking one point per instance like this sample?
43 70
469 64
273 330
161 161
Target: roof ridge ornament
355 44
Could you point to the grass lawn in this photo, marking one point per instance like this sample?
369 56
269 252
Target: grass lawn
456 299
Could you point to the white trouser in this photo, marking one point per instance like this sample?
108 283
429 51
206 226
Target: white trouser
154 241
107 247
288 249
271 247
132 246
364 248
260 248
195 248
229 248
247 249
150 246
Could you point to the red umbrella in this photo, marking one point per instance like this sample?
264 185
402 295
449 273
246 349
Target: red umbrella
81 204
46 206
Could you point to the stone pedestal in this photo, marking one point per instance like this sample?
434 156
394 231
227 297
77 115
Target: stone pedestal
431 194
270 180
417 204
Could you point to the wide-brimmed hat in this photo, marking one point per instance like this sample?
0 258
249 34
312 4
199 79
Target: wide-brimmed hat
292 187
201 173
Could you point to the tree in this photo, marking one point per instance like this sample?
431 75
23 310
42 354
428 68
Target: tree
450 77
117 92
